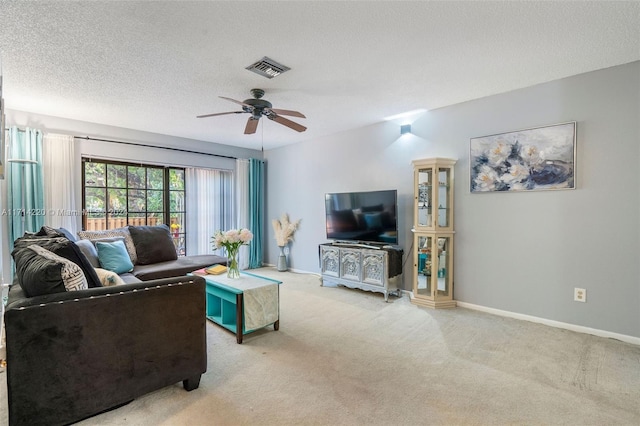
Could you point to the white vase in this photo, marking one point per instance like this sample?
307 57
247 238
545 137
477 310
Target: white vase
282 260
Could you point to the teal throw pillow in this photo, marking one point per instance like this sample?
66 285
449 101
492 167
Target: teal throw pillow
114 257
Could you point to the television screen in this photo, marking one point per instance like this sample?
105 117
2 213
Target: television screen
362 216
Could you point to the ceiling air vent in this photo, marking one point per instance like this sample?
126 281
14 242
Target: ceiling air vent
267 67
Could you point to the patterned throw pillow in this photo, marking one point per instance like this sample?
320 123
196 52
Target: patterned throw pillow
108 278
117 232
71 274
63 248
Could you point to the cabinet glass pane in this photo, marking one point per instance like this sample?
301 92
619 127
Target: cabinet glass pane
425 184
423 285
444 199
443 268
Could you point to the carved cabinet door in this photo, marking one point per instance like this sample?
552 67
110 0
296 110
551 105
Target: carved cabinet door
374 267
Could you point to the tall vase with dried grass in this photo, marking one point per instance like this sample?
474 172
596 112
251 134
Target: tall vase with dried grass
284 231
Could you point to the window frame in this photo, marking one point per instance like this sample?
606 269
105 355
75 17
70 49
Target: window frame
179 237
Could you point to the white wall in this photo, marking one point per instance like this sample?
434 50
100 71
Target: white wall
517 252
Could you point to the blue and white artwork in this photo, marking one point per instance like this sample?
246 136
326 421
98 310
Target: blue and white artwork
526 160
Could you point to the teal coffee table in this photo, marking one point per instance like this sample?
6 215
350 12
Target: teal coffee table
243 305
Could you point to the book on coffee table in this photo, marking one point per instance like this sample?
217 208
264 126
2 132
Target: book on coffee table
216 269
211 270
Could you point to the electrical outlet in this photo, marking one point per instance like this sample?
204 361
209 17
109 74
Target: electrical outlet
579 295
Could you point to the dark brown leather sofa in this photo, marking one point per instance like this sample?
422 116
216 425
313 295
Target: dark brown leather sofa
72 355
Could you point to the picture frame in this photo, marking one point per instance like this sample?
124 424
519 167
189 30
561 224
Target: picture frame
535 159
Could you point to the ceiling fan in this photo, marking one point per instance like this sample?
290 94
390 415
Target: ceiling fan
258 107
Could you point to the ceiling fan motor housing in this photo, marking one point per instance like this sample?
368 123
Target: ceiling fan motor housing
257 107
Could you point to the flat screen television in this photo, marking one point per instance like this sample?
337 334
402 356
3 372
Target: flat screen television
362 216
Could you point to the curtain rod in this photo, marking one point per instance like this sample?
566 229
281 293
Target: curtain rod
154 146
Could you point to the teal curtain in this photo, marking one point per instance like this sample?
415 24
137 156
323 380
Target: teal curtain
25 182
256 211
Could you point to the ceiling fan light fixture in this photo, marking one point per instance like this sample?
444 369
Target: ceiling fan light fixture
259 107
268 68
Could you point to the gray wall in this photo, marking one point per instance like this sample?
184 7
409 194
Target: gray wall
517 252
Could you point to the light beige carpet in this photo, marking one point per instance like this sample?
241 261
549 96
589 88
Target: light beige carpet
344 357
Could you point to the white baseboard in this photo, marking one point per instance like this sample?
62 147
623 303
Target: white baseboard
558 324
552 323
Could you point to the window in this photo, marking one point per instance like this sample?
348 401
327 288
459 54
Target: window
177 210
118 194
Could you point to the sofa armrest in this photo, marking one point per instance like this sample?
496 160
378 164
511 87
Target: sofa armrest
72 355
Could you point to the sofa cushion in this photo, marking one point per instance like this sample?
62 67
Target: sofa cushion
153 244
129 278
64 248
113 256
175 268
117 232
41 271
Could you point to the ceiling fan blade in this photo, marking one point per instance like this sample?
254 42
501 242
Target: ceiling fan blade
287 112
252 125
286 122
237 102
219 113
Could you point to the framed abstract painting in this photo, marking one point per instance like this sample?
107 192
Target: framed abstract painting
542 158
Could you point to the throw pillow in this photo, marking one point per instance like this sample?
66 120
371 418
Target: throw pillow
47 231
53 232
64 248
108 278
153 244
114 256
117 232
88 248
71 274
68 234
40 272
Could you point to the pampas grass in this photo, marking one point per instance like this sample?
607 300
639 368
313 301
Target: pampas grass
284 229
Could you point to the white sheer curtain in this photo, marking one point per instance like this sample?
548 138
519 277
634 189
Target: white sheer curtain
209 207
242 206
59 169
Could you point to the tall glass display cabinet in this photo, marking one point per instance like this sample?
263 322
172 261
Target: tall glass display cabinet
433 233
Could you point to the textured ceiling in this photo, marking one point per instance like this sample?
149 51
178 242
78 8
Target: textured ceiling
154 66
